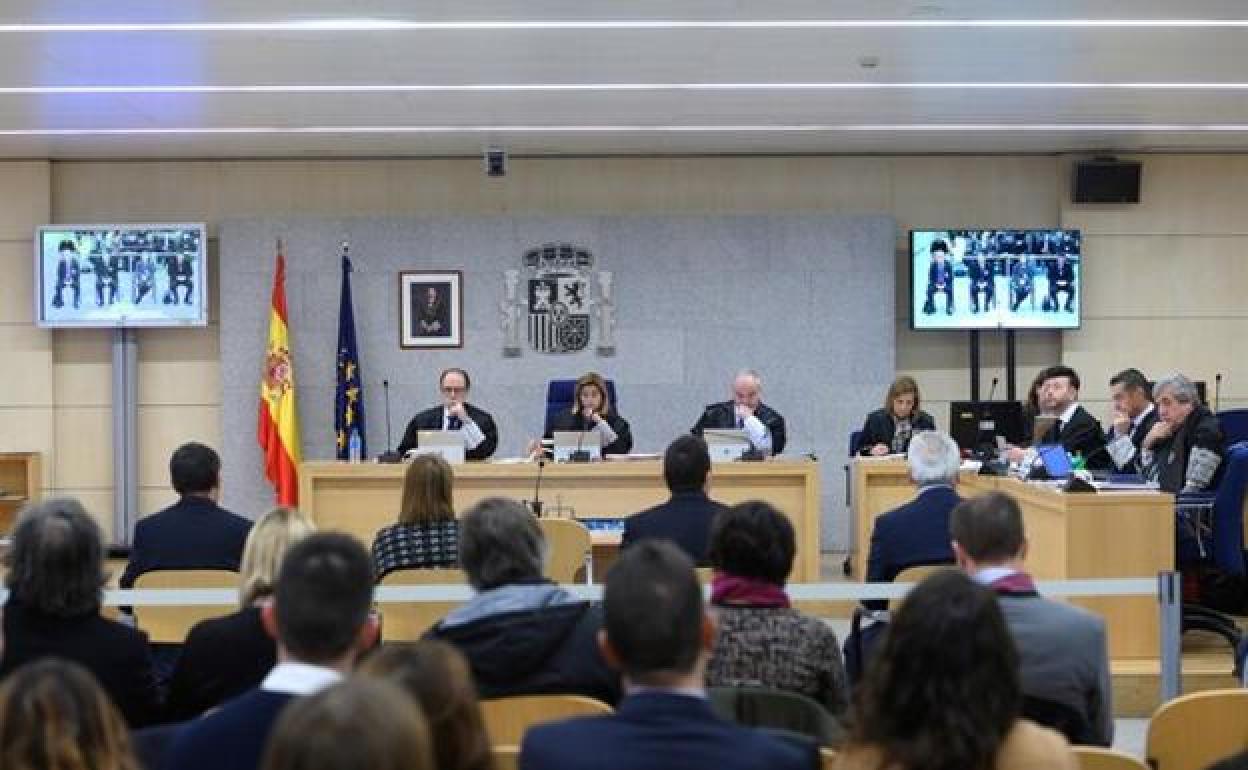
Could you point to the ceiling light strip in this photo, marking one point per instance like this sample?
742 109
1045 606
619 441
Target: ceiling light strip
399 25
884 128
335 88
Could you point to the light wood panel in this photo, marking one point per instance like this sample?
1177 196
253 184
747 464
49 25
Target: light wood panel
28 363
1143 277
163 428
17 268
30 429
25 198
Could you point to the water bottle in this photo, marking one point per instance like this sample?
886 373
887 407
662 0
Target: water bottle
355 446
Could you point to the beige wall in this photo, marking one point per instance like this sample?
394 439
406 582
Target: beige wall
1190 207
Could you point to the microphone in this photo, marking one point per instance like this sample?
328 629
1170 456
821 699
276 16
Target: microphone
388 456
993 388
1217 391
535 504
580 455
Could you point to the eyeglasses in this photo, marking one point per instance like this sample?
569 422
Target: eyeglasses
451 389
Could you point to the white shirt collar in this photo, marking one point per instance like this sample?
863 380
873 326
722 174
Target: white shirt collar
1140 417
990 575
1070 412
299 678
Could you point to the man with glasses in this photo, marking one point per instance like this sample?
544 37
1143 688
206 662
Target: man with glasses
476 426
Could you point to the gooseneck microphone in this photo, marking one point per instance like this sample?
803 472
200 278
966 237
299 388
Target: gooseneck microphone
993 388
580 454
1217 391
388 456
535 504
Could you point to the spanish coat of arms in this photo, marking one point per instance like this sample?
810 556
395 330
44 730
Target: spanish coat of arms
557 304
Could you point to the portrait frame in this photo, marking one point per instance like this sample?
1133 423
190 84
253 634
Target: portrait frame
431 322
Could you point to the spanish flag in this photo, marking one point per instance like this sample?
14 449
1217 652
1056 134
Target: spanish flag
279 424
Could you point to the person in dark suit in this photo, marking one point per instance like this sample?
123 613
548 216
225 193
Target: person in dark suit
195 532
1061 648
659 635
56 583
888 430
68 272
686 517
1134 417
224 657
917 533
591 410
1184 450
455 413
939 278
321 618
1061 274
1076 430
763 426
1022 283
982 278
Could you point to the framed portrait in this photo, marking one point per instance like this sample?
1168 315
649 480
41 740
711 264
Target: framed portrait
431 309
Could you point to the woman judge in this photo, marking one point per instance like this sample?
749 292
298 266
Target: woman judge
591 410
888 430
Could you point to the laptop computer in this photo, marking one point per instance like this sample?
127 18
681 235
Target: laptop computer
1054 461
569 442
726 444
449 444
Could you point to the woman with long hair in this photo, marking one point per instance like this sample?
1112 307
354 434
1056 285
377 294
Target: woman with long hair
888 429
944 694
426 534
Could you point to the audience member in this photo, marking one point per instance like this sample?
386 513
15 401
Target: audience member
54 716
1235 762
195 532
225 657
1184 449
437 676
686 517
321 620
943 693
361 723
659 635
426 534
761 640
1031 410
521 633
1134 417
917 533
56 583
1061 648
888 430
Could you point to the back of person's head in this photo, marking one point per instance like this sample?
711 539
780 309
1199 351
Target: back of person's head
500 543
438 677
988 528
194 469
933 458
55 716
56 560
943 690
427 486
270 537
322 598
655 623
753 540
359 723
686 464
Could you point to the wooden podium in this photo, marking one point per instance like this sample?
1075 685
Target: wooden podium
362 498
1070 536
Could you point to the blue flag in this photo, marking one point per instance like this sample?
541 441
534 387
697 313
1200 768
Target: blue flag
349 394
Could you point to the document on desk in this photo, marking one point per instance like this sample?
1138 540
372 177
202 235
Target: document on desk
1125 486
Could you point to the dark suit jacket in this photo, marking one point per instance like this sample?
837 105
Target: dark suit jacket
913 534
431 419
623 443
193 533
940 274
685 519
652 731
222 658
724 417
1081 435
879 427
232 738
116 654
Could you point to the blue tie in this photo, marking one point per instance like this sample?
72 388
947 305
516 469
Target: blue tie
740 423
453 423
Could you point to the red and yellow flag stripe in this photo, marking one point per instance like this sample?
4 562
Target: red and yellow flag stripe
278 431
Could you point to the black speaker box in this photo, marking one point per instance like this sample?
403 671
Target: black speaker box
1101 181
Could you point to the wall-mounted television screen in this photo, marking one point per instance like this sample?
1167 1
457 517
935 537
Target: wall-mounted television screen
995 279
121 275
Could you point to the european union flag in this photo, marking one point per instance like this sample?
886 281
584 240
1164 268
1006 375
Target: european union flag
349 395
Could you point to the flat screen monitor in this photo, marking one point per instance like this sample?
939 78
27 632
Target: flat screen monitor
976 423
121 275
995 279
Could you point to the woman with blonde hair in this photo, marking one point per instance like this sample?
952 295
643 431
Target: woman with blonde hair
592 411
53 714
887 431
426 534
224 657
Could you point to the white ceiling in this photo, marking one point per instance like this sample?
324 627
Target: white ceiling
721 81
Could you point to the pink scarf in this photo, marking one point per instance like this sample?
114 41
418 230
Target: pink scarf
735 591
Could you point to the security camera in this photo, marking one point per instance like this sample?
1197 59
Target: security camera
495 161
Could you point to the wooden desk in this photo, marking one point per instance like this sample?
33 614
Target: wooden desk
21 476
1105 535
362 498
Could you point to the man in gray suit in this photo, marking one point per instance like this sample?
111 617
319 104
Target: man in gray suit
1062 652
